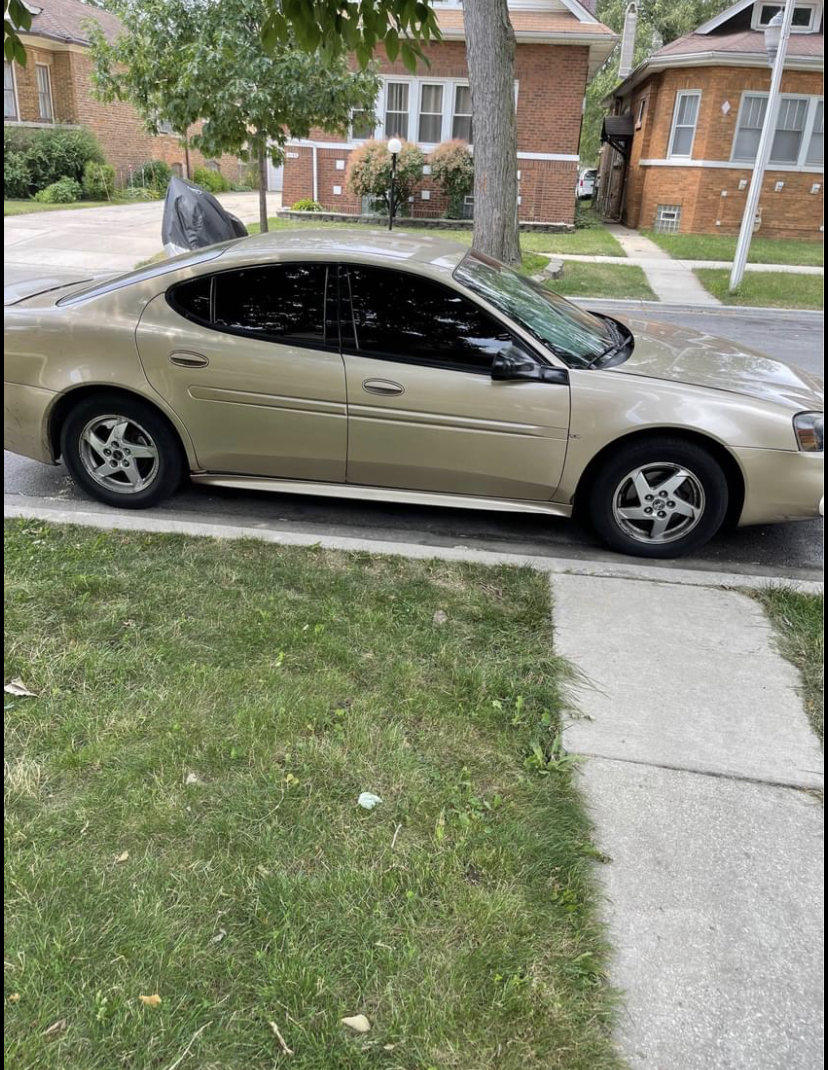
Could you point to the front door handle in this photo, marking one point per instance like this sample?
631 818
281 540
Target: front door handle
189 360
387 387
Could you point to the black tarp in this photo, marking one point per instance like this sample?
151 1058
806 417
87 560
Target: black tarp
194 218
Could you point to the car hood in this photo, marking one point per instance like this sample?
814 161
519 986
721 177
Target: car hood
682 355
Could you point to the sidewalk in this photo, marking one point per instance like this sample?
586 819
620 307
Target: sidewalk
701 777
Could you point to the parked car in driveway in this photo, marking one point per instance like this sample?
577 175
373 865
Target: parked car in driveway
371 365
587 177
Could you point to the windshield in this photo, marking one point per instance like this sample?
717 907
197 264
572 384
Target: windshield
577 337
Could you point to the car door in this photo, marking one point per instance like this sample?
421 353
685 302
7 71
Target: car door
249 360
423 410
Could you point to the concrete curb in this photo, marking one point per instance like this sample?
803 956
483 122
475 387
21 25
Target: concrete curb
664 306
116 521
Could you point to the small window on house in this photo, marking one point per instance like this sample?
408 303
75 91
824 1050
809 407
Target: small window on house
396 110
44 92
668 218
362 124
642 107
685 117
9 92
177 169
790 130
803 17
461 125
431 114
749 128
815 146
165 127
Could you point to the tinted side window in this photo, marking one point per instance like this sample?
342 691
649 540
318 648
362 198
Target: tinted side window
192 298
402 317
281 302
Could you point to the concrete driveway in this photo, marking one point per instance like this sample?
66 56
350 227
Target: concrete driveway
100 240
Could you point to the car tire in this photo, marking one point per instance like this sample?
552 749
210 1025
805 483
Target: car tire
122 451
659 498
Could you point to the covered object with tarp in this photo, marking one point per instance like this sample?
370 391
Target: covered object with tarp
193 218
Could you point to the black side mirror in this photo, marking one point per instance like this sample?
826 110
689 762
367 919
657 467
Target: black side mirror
513 364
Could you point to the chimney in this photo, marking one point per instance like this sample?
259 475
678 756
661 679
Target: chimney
628 39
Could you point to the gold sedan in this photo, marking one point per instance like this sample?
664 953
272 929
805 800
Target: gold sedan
363 364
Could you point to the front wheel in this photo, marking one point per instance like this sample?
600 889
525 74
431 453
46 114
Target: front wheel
659 498
121 451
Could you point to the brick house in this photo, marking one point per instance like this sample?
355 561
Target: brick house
560 45
684 129
55 87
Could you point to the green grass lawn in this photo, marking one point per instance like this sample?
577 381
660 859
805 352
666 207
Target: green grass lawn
799 621
182 818
602 280
26 207
769 289
723 247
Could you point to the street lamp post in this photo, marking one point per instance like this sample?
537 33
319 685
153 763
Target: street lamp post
395 148
776 45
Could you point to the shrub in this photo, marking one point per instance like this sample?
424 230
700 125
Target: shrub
306 205
140 193
64 191
60 153
369 172
452 168
98 181
17 178
587 217
213 181
152 175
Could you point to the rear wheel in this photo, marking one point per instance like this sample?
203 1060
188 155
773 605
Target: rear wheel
659 498
121 451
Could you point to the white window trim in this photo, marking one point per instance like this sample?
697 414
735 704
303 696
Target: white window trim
50 118
642 108
415 85
728 165
814 5
800 164
679 97
16 117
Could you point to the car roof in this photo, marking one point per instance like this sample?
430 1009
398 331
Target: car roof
359 243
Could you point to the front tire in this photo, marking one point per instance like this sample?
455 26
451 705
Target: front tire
659 498
121 451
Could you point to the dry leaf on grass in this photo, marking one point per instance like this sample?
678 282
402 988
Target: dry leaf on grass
440 617
151 1001
19 689
359 1023
124 857
14 997
56 1028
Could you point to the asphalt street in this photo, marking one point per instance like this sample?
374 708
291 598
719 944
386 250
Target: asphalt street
788 550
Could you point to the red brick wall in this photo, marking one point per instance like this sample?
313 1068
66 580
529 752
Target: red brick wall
551 86
710 198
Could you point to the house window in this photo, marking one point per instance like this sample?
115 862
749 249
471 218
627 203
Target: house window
668 218
44 92
396 110
815 157
798 136
685 117
9 92
804 16
177 169
431 113
639 119
461 125
165 126
363 124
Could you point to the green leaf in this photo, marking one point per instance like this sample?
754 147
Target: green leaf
275 31
392 44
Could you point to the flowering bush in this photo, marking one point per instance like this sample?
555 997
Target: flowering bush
452 168
369 172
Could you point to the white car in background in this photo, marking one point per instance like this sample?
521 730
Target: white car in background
586 182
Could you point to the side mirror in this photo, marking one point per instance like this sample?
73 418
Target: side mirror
514 365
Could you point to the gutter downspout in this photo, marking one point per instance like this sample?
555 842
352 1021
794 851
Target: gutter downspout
315 165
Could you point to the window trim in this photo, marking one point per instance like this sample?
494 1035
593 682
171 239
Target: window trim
16 117
348 320
680 95
50 118
814 6
423 84
642 108
807 132
330 322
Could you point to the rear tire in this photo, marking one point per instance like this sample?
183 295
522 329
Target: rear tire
659 498
122 451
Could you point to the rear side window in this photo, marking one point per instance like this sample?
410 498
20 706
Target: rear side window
277 303
400 316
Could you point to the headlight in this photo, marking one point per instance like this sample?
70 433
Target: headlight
810 431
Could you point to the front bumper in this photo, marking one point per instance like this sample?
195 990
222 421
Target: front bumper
781 485
25 421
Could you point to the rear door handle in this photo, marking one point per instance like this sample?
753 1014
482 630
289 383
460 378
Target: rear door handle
382 386
189 360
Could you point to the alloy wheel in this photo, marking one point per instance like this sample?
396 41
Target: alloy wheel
658 503
119 454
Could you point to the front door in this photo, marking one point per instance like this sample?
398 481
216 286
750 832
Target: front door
250 362
423 410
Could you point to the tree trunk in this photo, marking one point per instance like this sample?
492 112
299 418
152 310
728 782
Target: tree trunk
262 155
490 46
